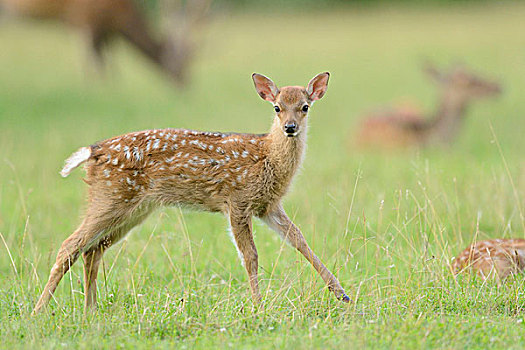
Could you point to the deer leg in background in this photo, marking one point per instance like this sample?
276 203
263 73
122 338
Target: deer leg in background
96 42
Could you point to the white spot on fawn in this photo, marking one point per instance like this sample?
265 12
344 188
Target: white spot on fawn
156 144
136 153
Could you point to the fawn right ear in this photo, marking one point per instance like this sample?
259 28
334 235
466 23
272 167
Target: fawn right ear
265 87
433 72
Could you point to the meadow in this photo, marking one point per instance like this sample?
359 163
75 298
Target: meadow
386 223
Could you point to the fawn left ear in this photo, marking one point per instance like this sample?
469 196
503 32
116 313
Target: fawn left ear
434 73
317 86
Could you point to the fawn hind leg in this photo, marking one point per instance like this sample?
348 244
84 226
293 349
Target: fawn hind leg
93 256
92 259
99 225
66 257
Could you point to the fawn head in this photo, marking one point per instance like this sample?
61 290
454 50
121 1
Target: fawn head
291 103
461 82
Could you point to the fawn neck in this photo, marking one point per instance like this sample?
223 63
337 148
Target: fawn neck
285 154
446 122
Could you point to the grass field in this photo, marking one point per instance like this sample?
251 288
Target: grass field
386 224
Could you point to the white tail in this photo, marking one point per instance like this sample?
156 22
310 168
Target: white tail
75 160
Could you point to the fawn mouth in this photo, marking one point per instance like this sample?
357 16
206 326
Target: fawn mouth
291 134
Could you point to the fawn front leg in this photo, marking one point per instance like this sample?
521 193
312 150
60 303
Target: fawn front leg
242 233
281 223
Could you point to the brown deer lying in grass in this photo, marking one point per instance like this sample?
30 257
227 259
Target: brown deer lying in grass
404 127
492 258
102 20
239 175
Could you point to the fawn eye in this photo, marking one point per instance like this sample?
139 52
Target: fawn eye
277 109
305 108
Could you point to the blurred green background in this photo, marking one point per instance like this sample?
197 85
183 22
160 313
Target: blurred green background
387 223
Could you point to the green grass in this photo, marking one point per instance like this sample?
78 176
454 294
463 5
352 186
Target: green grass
386 224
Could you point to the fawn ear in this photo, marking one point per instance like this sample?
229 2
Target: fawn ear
433 72
317 86
265 87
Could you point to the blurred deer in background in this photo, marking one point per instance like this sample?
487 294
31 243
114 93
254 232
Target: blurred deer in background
239 175
102 20
492 258
403 127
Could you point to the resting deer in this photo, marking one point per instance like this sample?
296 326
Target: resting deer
492 258
404 127
101 20
239 175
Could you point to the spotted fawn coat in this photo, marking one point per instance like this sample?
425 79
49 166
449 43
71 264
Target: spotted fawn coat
492 258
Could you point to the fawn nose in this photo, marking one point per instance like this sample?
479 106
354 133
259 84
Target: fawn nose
290 129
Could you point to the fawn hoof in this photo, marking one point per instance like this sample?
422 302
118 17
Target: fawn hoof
345 298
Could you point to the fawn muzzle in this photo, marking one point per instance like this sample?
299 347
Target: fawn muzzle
290 129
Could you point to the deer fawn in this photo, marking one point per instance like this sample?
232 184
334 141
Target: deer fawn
404 127
240 175
101 20
492 258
